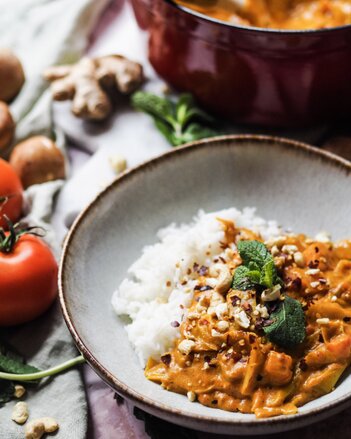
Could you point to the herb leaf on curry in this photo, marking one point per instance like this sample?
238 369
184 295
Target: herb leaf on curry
258 271
258 267
288 324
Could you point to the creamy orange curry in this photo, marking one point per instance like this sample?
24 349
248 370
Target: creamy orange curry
276 14
250 348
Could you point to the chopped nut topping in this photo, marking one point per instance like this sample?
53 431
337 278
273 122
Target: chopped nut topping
221 310
289 249
222 326
242 319
323 237
186 346
191 396
299 259
275 250
215 333
313 271
262 311
271 294
323 321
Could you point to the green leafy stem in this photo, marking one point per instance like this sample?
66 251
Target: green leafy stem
44 373
180 122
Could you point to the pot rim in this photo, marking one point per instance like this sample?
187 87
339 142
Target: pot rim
254 29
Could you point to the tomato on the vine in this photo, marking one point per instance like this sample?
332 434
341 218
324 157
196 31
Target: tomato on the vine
11 191
28 277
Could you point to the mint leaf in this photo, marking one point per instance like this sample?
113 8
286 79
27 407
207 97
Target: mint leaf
152 104
245 279
258 267
288 327
11 365
195 131
180 122
165 129
268 276
254 252
11 362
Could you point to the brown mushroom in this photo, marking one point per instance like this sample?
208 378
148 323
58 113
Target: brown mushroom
37 160
7 126
11 75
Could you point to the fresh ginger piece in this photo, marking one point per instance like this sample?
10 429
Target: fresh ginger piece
89 83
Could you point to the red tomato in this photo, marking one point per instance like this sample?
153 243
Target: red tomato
11 187
28 280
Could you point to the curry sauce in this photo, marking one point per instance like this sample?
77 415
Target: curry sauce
276 14
224 358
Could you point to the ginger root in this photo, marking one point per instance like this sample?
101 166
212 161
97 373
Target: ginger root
11 75
90 82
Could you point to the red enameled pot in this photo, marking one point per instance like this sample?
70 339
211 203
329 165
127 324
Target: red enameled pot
250 75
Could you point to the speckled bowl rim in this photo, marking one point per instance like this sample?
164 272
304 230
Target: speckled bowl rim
279 422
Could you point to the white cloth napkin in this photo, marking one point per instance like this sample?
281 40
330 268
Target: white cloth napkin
42 33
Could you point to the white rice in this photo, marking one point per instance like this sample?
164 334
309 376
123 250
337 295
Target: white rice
153 297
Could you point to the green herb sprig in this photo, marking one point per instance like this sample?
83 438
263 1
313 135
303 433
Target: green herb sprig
258 269
286 326
180 122
14 369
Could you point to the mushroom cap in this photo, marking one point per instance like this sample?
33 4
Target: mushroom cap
38 160
7 126
11 75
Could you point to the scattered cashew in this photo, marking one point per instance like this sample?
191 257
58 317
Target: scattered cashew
50 424
19 391
36 428
224 277
118 163
20 412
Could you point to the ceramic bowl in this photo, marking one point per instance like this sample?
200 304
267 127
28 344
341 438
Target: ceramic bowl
250 75
301 187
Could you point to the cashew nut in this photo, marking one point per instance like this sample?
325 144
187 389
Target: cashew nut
36 428
242 319
19 391
50 424
224 277
186 346
20 412
271 294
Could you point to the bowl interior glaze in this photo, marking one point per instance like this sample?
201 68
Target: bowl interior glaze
302 188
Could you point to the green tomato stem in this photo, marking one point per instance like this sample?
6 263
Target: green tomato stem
44 373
